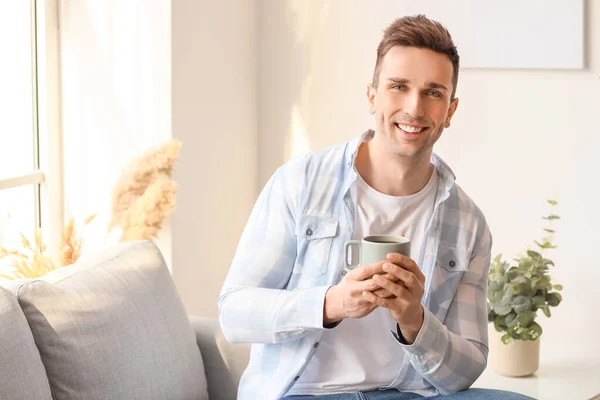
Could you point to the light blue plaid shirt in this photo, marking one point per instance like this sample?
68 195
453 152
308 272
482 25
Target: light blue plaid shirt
291 252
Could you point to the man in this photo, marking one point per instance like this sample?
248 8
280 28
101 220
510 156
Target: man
418 329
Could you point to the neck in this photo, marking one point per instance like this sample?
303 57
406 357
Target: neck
391 174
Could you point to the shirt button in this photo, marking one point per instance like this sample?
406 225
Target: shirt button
309 232
316 345
296 378
452 264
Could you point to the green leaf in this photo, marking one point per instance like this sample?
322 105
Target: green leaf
533 254
543 284
542 246
525 318
549 230
551 217
501 309
506 339
552 202
504 306
499 324
513 274
521 304
554 299
523 288
494 285
495 297
536 330
557 287
491 313
539 300
516 288
525 335
497 277
510 320
546 311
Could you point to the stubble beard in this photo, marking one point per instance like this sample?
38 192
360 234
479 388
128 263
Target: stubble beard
406 152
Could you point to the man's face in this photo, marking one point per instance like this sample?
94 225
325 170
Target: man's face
412 103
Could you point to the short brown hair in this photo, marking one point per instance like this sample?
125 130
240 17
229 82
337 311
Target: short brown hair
417 31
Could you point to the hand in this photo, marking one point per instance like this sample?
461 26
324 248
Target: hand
405 308
382 292
345 300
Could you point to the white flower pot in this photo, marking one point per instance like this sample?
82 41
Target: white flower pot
518 358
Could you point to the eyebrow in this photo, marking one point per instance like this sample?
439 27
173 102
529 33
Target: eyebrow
431 85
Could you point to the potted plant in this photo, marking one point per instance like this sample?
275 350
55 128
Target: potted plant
516 292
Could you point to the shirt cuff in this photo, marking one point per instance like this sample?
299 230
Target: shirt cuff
310 306
426 336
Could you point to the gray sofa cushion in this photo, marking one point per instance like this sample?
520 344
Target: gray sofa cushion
22 374
112 326
224 362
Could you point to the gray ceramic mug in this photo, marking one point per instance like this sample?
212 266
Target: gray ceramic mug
375 248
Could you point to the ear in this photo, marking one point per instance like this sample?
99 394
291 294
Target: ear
371 92
451 111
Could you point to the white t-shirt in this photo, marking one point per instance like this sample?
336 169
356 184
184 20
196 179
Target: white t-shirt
361 354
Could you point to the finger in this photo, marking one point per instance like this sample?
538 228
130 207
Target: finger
407 263
379 301
370 286
401 234
392 278
366 271
406 278
393 288
382 293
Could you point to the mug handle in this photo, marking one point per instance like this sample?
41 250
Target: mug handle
348 245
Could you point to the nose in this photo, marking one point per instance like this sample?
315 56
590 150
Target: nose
414 105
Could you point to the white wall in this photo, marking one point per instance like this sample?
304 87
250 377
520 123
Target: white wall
214 115
518 138
116 95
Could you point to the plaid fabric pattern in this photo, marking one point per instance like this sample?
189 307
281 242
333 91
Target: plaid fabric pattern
291 252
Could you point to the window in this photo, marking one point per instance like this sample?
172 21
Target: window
30 172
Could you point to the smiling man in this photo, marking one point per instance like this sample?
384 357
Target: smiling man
402 328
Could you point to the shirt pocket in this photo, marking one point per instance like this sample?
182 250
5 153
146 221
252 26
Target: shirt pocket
452 258
315 236
451 263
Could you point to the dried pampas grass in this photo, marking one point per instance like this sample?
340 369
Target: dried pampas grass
29 262
33 262
144 195
71 243
144 219
139 175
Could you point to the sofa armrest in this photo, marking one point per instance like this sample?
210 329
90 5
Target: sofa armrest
224 362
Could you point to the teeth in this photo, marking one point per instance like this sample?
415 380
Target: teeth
410 129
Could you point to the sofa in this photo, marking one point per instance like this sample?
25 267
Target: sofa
111 326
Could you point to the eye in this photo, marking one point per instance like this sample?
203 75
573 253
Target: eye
399 87
434 93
